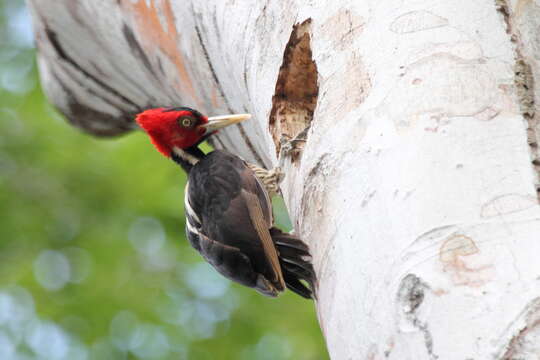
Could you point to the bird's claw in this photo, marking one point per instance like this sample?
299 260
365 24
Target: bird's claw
272 180
269 178
265 287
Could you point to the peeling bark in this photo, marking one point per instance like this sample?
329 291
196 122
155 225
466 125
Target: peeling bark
524 81
524 344
408 132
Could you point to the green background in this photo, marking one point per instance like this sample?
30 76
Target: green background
94 263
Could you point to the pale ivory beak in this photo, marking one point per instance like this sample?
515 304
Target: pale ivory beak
219 122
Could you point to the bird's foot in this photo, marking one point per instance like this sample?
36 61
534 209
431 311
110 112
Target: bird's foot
269 178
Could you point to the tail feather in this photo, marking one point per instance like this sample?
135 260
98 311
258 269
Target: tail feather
295 285
294 255
288 240
305 271
295 261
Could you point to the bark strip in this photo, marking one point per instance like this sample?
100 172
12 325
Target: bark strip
524 82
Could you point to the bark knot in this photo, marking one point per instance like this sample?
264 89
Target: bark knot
411 295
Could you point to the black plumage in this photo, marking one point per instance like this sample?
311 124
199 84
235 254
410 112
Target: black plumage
229 221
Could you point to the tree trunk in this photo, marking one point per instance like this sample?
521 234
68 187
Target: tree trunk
417 183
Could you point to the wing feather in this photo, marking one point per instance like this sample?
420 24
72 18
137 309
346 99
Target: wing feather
260 224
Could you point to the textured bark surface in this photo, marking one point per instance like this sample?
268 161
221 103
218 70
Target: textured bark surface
408 130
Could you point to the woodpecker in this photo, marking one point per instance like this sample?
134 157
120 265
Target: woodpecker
228 210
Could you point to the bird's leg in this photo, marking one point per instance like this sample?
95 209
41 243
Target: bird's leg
269 178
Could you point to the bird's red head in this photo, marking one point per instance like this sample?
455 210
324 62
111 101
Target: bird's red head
170 127
181 127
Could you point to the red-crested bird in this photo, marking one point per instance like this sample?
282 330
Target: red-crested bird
228 210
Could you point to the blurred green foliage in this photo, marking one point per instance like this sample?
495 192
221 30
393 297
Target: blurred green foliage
93 259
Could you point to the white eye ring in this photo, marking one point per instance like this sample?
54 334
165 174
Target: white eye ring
187 121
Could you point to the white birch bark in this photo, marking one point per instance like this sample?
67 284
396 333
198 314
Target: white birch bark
417 186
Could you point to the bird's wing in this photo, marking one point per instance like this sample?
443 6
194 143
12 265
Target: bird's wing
255 199
248 176
261 226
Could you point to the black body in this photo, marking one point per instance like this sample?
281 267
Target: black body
229 221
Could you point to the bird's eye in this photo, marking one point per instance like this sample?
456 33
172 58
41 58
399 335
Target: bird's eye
186 121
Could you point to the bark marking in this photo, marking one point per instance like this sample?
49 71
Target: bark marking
507 204
460 92
411 294
453 253
94 121
240 127
524 83
525 344
417 21
390 344
156 28
52 36
78 114
137 49
488 113
353 91
342 28
350 82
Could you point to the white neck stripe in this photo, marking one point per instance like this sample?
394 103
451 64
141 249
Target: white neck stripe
187 206
185 156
